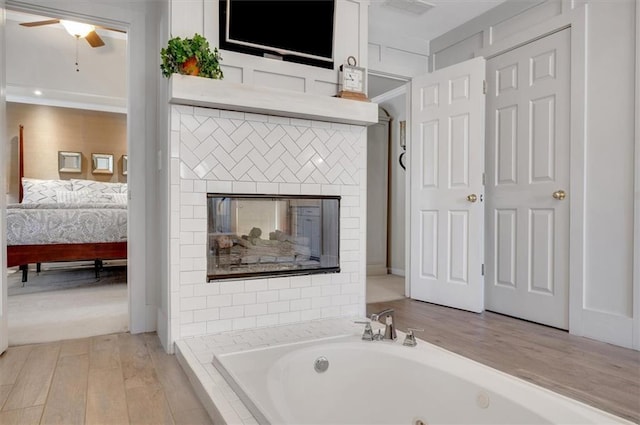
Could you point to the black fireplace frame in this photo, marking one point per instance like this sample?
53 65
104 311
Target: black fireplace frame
277 273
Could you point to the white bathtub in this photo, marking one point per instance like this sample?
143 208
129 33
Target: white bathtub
387 383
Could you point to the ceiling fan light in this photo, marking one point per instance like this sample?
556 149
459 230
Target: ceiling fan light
77 29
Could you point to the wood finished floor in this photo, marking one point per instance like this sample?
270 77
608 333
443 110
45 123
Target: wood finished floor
113 379
129 379
596 373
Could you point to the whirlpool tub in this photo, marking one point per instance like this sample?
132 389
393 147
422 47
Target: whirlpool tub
344 380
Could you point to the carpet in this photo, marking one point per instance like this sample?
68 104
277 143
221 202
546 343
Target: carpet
67 304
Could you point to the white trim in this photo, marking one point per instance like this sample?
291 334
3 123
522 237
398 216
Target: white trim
391 94
636 244
397 272
4 332
220 94
407 194
66 104
577 167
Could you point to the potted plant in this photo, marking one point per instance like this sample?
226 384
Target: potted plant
190 56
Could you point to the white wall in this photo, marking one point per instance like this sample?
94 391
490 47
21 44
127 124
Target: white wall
602 233
201 16
392 54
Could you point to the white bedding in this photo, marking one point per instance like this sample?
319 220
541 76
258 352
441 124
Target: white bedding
56 223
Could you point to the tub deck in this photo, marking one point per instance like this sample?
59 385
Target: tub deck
224 405
195 355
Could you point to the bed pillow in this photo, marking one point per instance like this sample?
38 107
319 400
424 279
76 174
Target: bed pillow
37 191
94 186
89 197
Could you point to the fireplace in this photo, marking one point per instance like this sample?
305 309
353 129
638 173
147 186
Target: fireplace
270 235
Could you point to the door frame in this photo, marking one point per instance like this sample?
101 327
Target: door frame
577 22
4 333
142 317
577 177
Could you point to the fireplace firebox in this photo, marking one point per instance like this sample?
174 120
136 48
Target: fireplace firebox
252 236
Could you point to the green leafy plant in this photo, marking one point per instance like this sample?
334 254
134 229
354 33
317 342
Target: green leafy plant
190 56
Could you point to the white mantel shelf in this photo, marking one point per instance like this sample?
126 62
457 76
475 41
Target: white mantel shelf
220 94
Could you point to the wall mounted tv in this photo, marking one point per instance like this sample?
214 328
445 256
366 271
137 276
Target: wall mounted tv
299 31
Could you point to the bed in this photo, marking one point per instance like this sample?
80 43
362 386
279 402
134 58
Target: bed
65 220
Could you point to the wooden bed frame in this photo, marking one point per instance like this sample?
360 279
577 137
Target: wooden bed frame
23 255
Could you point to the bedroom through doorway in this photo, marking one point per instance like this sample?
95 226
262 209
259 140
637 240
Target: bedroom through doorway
67 193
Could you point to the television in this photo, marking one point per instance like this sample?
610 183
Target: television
300 31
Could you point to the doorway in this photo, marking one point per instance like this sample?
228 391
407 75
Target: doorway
67 299
385 197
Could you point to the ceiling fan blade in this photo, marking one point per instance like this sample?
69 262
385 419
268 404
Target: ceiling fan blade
39 23
94 39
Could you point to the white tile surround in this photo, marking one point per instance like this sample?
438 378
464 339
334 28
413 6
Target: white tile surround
224 406
222 151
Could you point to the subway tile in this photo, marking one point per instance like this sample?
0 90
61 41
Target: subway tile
278 307
222 300
206 314
231 312
244 298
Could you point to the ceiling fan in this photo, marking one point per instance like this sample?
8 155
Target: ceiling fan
76 29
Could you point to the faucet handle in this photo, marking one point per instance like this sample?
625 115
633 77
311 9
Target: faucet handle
367 335
410 339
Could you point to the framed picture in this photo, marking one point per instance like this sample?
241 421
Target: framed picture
102 163
69 162
125 161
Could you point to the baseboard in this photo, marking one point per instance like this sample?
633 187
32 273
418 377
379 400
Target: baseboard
397 272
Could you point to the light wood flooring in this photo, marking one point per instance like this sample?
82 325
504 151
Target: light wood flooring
129 379
113 379
599 374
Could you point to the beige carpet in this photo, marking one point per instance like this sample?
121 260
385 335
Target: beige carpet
57 305
384 288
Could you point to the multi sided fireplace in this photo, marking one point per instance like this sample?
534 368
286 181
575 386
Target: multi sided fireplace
270 235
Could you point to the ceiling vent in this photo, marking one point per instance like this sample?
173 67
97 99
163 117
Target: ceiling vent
414 7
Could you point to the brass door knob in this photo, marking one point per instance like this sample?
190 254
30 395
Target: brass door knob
472 198
559 195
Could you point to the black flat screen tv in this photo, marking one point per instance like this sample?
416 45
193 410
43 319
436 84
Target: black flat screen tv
299 31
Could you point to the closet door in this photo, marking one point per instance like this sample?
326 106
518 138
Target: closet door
527 181
446 163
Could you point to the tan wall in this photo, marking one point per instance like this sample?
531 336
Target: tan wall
49 129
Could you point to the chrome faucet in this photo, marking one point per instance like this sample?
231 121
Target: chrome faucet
390 328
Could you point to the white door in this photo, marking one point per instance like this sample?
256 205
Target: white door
446 156
4 333
527 179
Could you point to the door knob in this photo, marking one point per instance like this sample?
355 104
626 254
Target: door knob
559 195
472 198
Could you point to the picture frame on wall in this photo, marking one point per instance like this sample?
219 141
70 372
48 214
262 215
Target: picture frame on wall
125 164
69 162
102 163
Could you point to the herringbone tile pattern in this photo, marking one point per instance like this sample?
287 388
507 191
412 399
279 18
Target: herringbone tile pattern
217 148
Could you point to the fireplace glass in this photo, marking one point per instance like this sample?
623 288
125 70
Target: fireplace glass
268 235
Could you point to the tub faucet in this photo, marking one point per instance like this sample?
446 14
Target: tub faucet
390 328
